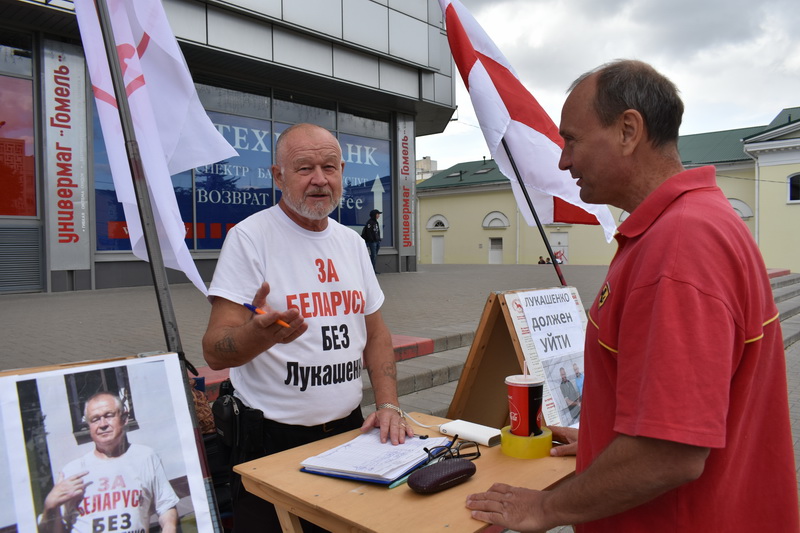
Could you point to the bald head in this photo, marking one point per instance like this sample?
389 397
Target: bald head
311 132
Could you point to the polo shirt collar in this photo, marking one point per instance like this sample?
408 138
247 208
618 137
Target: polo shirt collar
657 201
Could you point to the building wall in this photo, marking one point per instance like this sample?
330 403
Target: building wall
779 220
376 71
738 182
361 42
466 241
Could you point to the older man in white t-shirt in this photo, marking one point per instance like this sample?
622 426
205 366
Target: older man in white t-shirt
300 358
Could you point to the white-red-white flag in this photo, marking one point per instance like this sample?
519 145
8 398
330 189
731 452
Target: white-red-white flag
172 129
507 110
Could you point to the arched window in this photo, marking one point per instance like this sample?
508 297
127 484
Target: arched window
741 208
794 188
495 220
437 223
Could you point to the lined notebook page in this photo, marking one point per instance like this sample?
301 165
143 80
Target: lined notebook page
366 456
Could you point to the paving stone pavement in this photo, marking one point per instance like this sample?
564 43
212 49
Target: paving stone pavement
439 302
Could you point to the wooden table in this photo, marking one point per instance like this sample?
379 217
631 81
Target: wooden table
354 506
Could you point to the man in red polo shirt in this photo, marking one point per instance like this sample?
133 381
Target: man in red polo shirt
685 417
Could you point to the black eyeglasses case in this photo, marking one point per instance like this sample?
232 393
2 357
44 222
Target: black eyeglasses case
440 476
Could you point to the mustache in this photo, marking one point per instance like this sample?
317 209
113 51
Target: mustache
319 191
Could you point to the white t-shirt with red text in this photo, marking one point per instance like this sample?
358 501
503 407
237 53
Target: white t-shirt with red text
328 277
122 492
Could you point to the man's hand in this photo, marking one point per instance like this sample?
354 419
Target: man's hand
567 436
236 336
63 492
629 472
518 508
510 507
393 426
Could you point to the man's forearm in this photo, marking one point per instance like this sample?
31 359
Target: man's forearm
226 348
51 521
630 472
383 377
235 336
379 361
168 521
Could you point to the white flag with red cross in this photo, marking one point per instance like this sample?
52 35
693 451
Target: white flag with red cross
507 110
172 129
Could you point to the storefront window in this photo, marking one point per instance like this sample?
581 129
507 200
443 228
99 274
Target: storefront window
367 183
17 177
224 192
215 197
233 102
231 190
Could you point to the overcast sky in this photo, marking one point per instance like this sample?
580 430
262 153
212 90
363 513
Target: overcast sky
736 62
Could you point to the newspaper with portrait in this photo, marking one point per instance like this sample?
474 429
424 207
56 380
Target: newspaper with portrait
551 325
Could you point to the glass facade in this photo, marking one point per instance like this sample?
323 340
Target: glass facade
17 161
229 191
213 198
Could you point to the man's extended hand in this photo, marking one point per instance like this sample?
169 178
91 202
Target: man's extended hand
235 336
65 490
269 318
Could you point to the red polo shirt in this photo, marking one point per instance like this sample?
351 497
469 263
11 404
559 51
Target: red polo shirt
684 344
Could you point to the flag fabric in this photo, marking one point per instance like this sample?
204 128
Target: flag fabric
507 110
172 129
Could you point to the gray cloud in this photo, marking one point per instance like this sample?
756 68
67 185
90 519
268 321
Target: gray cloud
736 62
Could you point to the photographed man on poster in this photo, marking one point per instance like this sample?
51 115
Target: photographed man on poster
116 486
570 394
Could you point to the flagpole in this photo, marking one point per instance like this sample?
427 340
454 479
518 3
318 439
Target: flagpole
535 216
157 268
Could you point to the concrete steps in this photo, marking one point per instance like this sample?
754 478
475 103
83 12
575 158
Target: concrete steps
786 290
427 384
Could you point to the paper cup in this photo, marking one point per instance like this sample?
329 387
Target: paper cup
525 405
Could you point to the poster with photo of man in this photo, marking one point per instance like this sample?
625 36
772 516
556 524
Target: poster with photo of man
108 447
8 513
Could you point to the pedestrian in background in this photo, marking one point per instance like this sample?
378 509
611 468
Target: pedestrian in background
372 236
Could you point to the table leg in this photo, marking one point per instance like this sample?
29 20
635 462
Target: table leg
290 523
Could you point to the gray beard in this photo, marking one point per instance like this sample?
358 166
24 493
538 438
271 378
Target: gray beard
313 213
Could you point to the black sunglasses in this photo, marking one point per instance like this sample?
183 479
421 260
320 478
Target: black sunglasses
463 450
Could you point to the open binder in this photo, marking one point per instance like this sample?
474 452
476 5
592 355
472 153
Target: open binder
366 458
